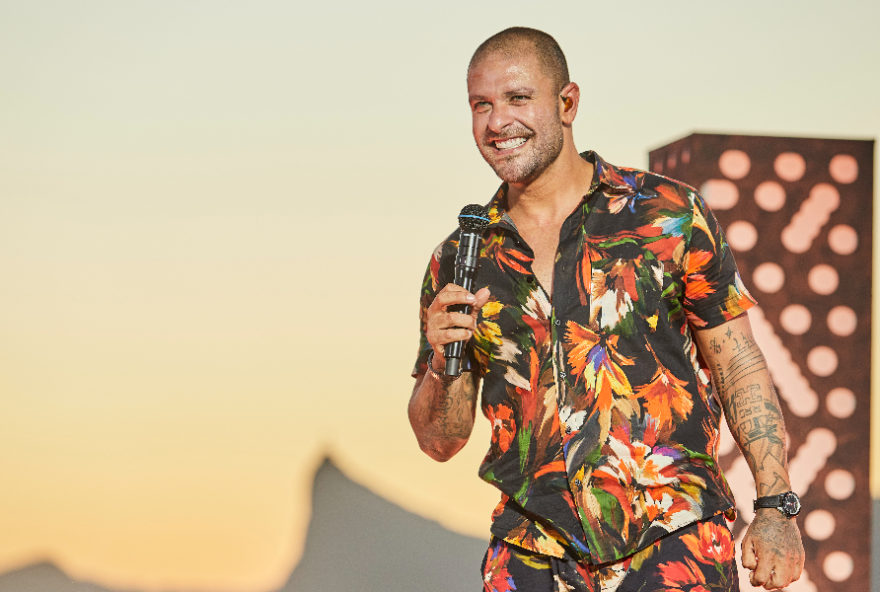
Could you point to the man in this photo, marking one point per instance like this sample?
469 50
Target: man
608 297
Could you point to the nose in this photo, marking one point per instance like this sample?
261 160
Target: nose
500 117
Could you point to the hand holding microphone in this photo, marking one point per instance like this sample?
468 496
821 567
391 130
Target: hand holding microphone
452 317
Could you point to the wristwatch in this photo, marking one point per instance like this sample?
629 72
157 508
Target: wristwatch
788 503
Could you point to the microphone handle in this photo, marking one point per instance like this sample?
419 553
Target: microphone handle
466 263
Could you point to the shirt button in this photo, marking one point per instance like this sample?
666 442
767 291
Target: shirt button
562 374
567 429
577 482
558 322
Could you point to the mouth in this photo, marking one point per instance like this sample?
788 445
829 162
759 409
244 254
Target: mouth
509 144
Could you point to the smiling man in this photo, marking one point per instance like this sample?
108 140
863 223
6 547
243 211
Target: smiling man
608 299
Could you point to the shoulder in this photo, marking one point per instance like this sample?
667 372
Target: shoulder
656 193
667 186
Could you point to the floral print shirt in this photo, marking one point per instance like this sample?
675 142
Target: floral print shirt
604 420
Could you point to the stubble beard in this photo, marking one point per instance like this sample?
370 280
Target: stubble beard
526 166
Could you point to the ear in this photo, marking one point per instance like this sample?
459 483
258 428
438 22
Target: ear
569 98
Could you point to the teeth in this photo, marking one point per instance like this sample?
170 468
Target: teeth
511 143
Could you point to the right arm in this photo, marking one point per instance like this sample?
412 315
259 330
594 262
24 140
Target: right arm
442 412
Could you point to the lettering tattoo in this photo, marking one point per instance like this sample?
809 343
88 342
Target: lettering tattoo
752 408
746 401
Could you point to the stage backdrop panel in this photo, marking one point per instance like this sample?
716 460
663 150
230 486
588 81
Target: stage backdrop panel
798 215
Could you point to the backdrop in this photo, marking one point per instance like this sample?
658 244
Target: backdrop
195 199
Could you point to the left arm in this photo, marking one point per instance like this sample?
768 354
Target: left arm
772 547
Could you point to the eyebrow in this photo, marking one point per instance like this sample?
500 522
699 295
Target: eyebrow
519 91
511 93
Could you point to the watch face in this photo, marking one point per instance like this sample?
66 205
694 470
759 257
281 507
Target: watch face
791 504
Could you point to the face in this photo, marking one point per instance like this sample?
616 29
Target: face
515 110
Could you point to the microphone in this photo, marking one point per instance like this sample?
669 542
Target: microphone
472 220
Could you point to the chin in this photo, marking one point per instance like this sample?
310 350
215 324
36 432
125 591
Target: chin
514 177
514 174
511 171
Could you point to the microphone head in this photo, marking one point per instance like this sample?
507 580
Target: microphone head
473 217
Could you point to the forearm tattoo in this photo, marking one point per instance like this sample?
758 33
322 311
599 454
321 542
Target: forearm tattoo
454 411
442 414
752 408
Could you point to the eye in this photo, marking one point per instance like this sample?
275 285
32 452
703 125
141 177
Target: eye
519 99
481 107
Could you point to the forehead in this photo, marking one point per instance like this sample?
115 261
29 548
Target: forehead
500 71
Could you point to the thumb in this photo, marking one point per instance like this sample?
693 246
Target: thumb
749 559
482 297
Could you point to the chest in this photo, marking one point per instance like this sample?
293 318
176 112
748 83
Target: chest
544 243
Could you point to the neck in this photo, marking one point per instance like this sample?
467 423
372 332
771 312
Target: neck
556 192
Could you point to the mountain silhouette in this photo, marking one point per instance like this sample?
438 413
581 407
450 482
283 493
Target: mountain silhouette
356 542
45 577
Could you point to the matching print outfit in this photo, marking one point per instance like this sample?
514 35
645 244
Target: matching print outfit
604 420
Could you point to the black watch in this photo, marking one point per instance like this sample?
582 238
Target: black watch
788 503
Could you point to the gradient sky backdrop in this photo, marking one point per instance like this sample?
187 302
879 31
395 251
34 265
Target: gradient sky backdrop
215 216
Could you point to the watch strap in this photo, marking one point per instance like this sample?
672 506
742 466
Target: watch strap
788 503
769 501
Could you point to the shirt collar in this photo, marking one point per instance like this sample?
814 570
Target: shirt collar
609 177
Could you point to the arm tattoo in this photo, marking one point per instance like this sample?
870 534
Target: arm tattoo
752 409
454 411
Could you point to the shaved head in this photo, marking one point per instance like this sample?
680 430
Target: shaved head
522 41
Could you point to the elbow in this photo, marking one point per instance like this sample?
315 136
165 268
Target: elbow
441 452
432 441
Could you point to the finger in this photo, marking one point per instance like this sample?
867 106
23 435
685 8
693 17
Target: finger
449 320
458 320
755 580
788 573
448 297
764 572
778 580
439 337
482 297
444 336
749 561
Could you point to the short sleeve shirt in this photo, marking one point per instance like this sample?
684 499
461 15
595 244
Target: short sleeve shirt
605 424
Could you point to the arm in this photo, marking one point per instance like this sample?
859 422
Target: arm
772 546
441 412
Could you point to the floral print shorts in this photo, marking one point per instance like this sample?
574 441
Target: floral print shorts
696 558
